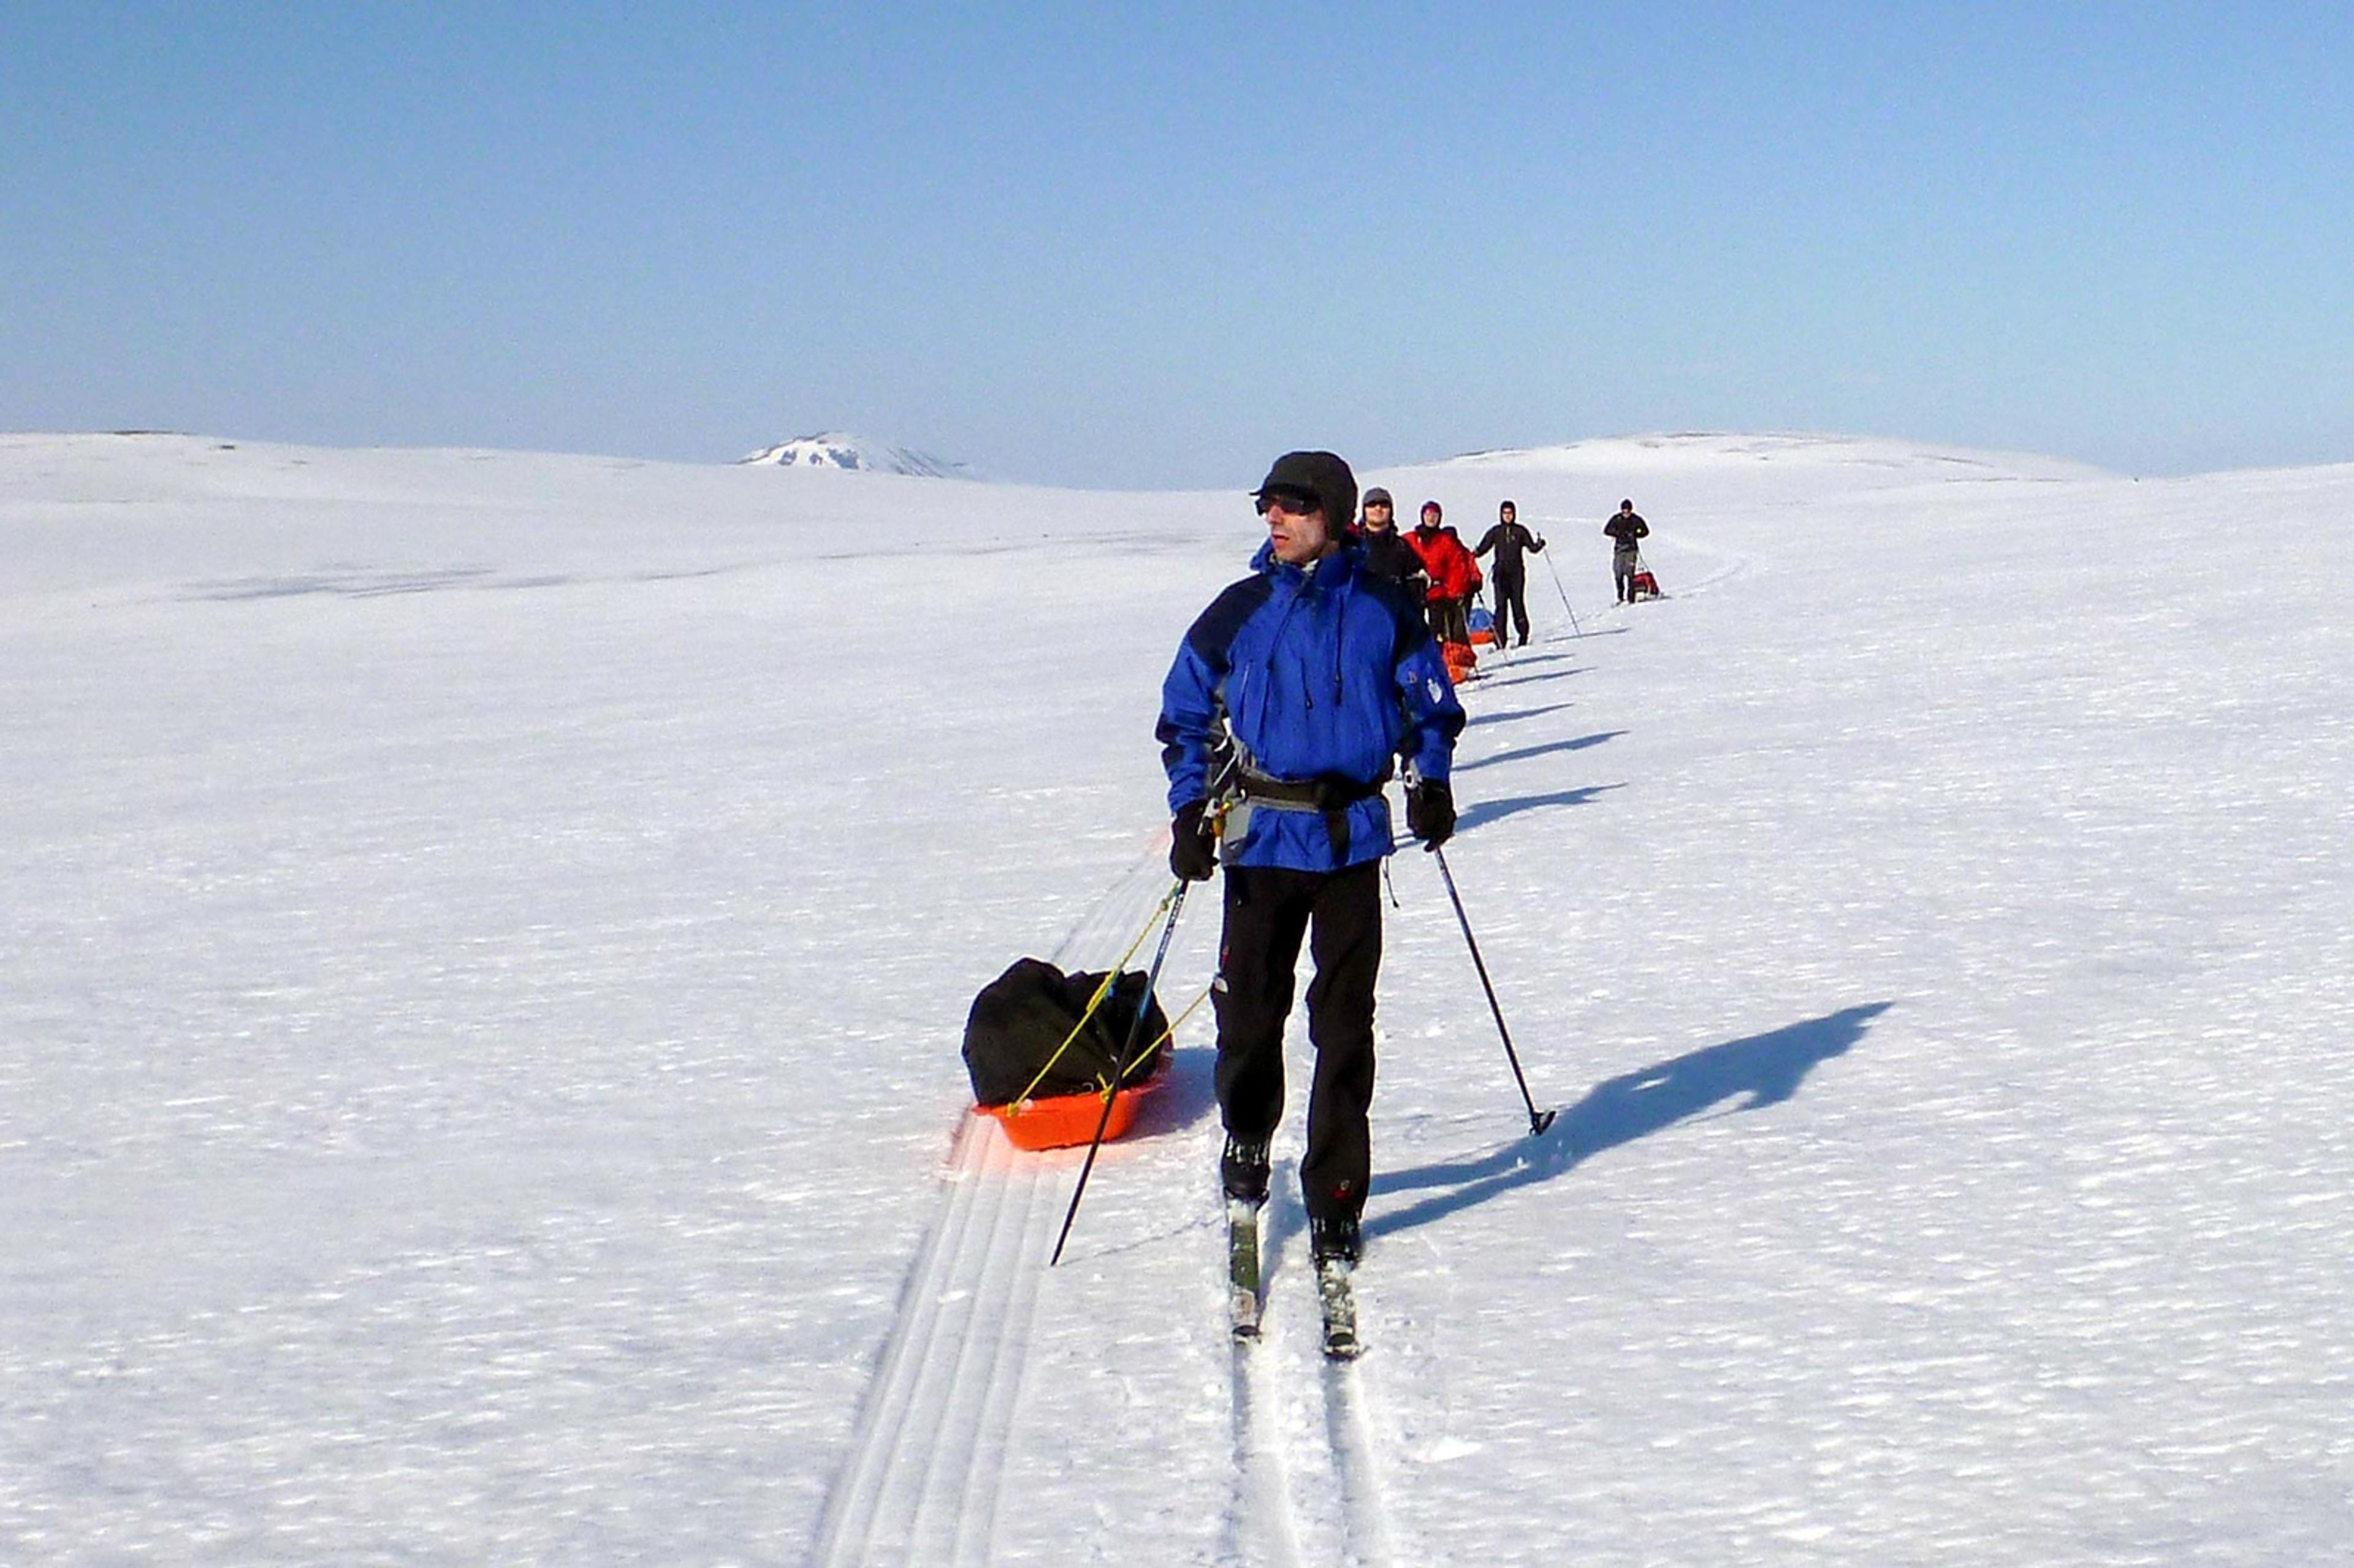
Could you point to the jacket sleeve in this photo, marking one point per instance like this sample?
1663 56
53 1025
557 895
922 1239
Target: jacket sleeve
1193 709
1188 726
1487 540
1433 715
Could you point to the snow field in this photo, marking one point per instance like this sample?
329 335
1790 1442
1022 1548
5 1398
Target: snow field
487 937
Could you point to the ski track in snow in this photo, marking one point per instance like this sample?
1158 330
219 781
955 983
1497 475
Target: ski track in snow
1258 1528
1308 1489
921 1485
926 1466
922 1482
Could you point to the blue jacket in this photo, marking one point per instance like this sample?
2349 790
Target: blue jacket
1323 673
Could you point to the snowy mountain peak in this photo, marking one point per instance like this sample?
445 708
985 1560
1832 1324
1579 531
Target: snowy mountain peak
837 449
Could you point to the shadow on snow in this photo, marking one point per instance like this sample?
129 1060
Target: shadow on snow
1482 812
1517 714
1498 682
1576 743
1187 1094
1761 1070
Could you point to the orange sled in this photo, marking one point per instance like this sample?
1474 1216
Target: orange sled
1461 661
1061 1121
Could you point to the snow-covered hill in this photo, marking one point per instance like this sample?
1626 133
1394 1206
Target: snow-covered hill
1738 456
486 935
837 449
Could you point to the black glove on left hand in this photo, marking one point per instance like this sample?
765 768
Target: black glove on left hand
1192 852
1430 812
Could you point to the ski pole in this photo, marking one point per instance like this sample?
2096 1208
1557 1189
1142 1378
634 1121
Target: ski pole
1120 1066
1538 1120
1564 596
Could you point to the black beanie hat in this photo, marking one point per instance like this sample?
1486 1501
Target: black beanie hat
1320 474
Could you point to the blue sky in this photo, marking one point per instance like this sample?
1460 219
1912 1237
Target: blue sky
1150 246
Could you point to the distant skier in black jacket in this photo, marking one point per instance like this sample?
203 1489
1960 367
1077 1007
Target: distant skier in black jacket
1387 555
1626 556
1508 539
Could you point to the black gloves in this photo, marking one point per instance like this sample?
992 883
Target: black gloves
1192 849
1430 811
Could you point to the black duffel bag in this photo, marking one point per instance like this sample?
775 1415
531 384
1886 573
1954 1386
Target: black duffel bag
1021 1018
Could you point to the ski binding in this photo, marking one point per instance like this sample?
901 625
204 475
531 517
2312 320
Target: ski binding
1242 1268
1337 1296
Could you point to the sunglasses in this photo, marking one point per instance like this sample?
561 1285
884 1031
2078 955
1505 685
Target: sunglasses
1295 502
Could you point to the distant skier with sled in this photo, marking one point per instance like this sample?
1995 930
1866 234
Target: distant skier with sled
1387 555
1301 684
1508 539
1625 554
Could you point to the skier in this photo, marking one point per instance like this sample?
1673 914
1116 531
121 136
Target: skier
1319 673
1454 575
1387 554
1508 539
1626 557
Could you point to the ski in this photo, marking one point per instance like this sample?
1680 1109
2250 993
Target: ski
1242 1267
1338 1296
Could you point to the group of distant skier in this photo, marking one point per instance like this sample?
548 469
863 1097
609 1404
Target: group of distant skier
1292 700
1430 560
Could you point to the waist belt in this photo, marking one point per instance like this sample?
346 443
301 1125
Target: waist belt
1330 797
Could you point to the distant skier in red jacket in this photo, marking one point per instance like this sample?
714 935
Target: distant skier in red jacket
1454 575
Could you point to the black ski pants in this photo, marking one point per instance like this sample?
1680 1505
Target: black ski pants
1268 910
1510 602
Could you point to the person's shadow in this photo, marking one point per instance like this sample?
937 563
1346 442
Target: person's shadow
1478 813
1761 1070
1546 748
1514 716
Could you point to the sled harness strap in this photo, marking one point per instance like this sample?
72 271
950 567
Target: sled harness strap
1329 796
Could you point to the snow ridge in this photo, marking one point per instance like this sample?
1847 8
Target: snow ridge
1684 452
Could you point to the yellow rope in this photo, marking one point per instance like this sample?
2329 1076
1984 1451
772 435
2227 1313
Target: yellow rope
1096 1000
1170 1034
